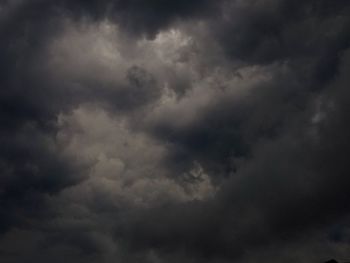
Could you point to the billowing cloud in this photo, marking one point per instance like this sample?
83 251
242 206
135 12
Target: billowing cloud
174 131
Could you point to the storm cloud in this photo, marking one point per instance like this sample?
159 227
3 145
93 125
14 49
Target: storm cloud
174 131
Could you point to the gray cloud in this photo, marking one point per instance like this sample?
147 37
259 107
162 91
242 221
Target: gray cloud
201 131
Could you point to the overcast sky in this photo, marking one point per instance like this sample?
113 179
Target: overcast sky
185 131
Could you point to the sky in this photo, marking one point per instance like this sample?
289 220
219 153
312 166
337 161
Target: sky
192 131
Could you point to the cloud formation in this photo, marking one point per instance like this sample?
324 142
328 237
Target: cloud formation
181 131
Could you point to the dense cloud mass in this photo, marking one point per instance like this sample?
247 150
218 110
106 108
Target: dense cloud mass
174 131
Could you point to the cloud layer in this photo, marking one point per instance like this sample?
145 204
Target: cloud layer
181 131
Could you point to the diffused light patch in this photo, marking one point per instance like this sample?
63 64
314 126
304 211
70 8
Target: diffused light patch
84 50
126 166
207 92
98 56
169 45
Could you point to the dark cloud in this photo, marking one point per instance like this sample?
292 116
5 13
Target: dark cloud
268 31
291 186
157 131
